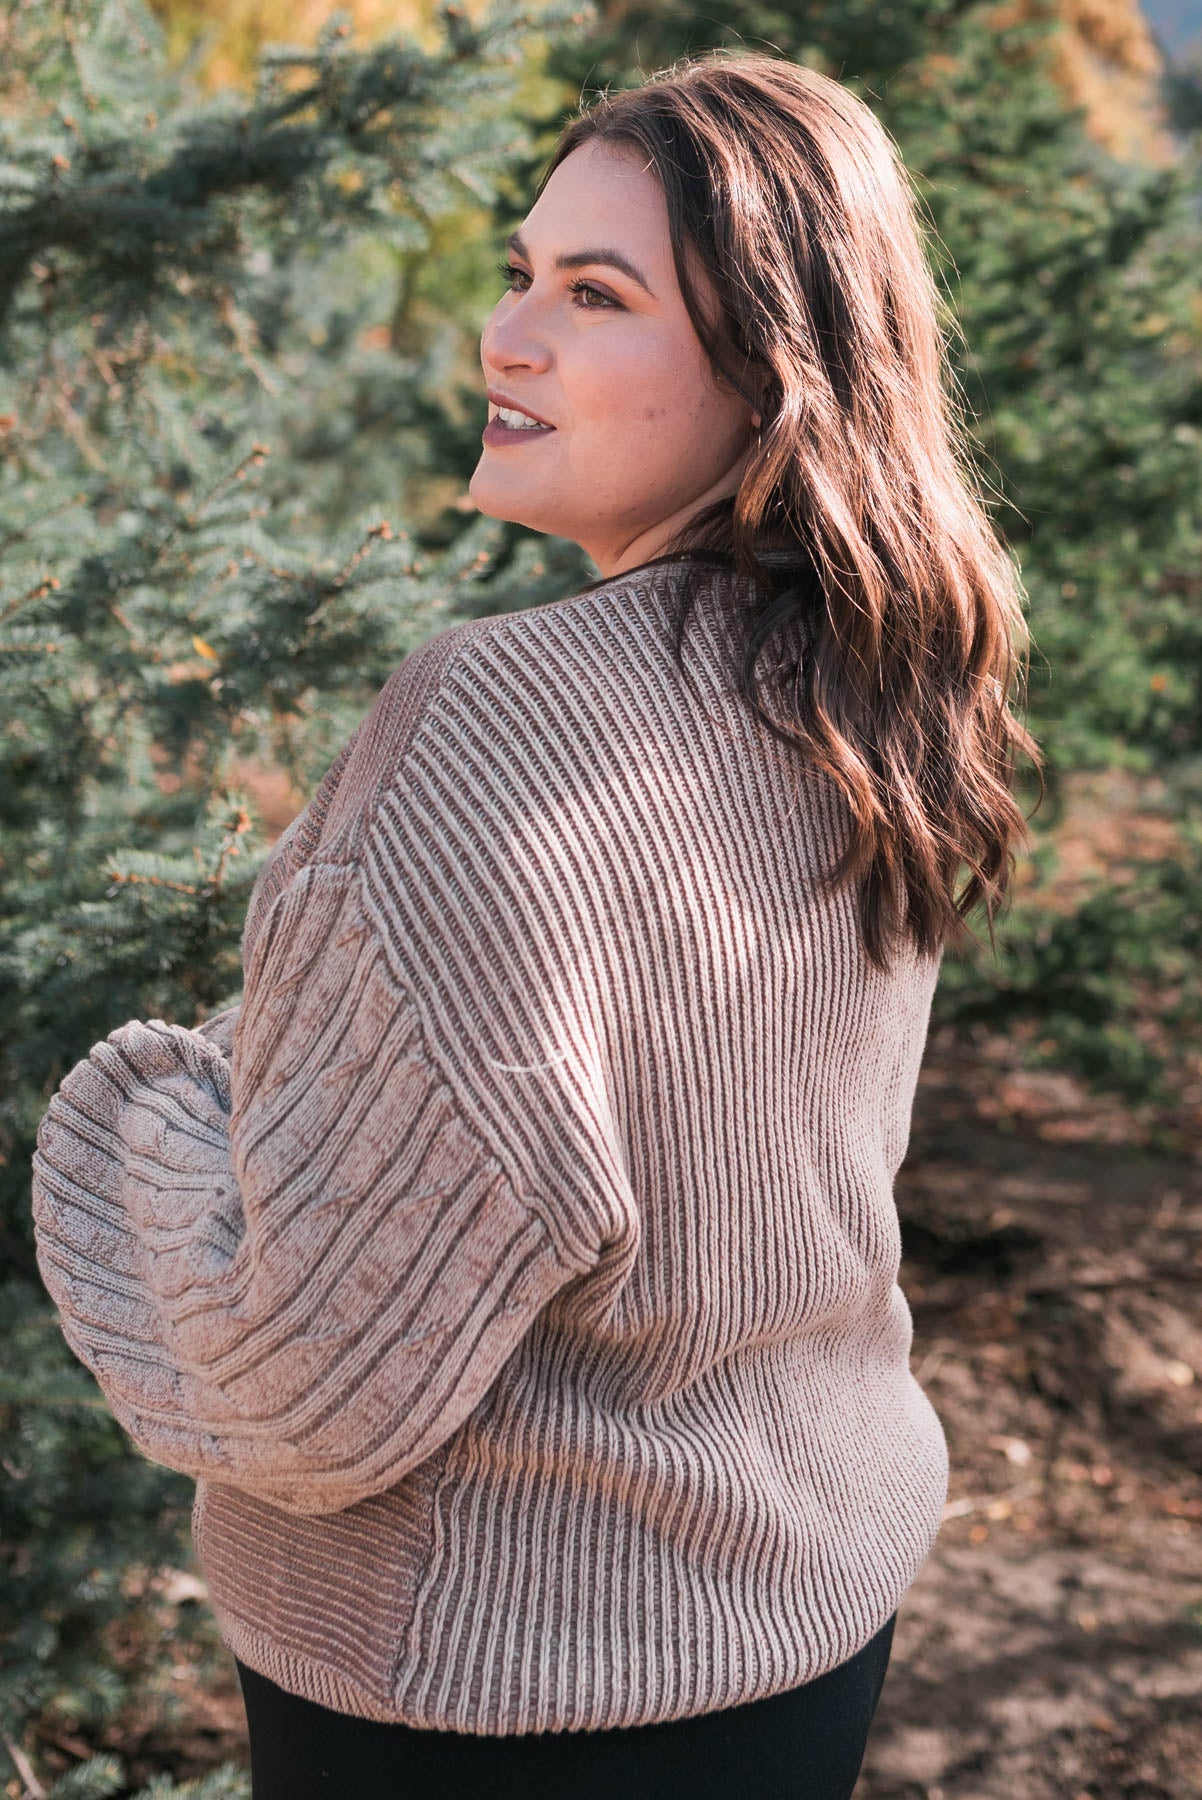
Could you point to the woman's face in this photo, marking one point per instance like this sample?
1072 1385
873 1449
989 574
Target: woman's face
642 437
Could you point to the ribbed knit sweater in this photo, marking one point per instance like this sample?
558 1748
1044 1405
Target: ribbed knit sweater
515 1268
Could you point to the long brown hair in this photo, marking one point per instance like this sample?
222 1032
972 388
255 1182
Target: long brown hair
787 190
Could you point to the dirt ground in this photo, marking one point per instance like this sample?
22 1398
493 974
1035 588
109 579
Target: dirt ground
1051 1648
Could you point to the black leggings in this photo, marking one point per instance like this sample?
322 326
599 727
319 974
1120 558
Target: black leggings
804 1744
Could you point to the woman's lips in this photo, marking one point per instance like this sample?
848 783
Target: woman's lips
497 433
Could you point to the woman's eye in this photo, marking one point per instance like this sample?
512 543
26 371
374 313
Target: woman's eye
511 273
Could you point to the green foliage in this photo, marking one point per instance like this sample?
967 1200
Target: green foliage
75 1509
95 1779
1111 985
102 1776
213 544
225 1783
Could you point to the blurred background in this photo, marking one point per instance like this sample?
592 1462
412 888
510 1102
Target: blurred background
246 251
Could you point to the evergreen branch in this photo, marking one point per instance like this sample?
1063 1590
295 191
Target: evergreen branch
77 431
128 878
255 457
39 591
135 227
376 533
229 845
240 329
86 93
22 533
33 1787
104 368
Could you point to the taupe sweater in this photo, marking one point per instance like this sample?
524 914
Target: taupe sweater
516 1267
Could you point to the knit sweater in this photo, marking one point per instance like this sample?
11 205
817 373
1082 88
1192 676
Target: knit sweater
515 1267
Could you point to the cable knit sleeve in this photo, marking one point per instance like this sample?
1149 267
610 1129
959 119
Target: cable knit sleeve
296 1269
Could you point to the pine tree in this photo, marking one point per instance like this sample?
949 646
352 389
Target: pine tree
217 539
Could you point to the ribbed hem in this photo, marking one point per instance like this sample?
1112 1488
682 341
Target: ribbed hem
301 1676
313 1681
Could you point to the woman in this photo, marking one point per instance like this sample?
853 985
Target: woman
515 1268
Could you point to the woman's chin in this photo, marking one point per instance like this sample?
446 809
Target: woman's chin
489 499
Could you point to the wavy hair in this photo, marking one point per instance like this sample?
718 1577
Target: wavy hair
787 191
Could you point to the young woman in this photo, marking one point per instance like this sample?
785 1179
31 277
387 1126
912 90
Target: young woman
516 1266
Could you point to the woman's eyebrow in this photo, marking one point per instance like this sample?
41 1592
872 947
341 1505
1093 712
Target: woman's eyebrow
579 259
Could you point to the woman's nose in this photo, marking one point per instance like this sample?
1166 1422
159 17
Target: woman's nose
513 340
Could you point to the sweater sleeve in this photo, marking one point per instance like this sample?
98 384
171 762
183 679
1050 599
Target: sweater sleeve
298 841
294 1270
294 846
